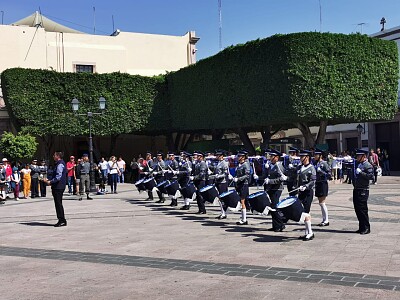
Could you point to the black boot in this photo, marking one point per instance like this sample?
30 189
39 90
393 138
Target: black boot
88 198
174 202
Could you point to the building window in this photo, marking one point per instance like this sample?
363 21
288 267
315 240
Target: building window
84 68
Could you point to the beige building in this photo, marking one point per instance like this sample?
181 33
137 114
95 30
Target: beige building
40 43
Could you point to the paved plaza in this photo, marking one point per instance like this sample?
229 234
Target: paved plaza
123 247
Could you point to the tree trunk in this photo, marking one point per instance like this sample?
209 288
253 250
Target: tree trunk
177 141
48 142
266 134
246 141
170 141
309 141
321 132
189 140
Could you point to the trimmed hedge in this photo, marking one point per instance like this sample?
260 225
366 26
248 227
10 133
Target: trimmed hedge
300 77
39 101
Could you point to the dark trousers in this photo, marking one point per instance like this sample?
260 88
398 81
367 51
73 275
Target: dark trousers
360 199
306 198
159 194
42 188
57 195
114 179
200 200
291 185
277 218
34 187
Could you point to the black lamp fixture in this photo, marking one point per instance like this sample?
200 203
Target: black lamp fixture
360 129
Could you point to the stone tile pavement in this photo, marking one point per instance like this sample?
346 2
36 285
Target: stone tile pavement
123 247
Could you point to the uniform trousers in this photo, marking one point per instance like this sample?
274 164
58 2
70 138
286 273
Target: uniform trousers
291 185
34 187
306 198
57 196
360 199
84 183
200 200
277 217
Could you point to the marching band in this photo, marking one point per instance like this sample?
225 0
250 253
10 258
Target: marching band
208 178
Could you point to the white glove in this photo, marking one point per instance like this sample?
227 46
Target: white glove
146 173
230 177
150 169
189 170
209 172
290 166
266 181
175 172
302 188
283 177
141 168
191 178
267 165
319 169
255 176
358 171
155 173
235 179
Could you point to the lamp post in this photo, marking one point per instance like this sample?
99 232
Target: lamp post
360 130
89 114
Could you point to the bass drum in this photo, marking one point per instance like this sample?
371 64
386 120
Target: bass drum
291 208
259 201
230 198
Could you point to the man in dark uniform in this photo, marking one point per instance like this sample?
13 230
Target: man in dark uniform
273 185
199 180
183 173
42 176
58 183
34 179
291 163
363 174
173 167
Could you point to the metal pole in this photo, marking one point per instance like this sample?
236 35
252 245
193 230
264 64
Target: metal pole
2 17
91 173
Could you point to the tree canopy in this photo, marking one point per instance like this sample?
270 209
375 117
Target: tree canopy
20 146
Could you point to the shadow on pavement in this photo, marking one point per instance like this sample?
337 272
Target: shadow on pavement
36 224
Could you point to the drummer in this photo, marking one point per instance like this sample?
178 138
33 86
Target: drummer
199 180
273 185
183 173
306 180
221 172
291 163
158 174
321 184
148 167
173 167
242 183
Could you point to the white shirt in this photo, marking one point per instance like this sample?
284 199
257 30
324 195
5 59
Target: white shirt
121 164
103 165
113 167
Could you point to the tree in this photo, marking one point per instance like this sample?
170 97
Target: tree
20 146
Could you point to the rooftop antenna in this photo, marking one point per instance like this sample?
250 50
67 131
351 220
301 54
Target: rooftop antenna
94 20
112 18
220 23
2 17
320 16
361 26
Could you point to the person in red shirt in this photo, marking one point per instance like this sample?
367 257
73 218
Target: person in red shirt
71 174
8 168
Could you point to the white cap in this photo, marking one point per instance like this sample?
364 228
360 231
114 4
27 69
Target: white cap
4 159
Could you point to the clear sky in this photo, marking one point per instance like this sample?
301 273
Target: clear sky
242 20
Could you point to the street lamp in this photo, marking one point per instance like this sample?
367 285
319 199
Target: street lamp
360 130
89 114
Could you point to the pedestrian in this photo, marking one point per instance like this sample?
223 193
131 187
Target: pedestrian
104 169
383 161
34 179
15 182
85 177
58 184
43 174
114 173
134 170
3 185
26 180
122 167
363 174
77 174
8 170
70 173
374 161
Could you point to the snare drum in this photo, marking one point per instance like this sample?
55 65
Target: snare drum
188 191
140 185
172 188
259 201
161 186
230 198
292 208
209 193
150 184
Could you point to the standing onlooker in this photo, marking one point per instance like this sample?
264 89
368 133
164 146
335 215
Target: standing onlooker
34 179
374 161
70 173
134 170
104 169
114 173
3 181
122 167
26 180
85 177
43 175
77 174
58 183
15 182
8 169
383 161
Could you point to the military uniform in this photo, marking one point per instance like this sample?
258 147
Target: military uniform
43 175
199 180
306 178
183 174
291 164
363 174
158 174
